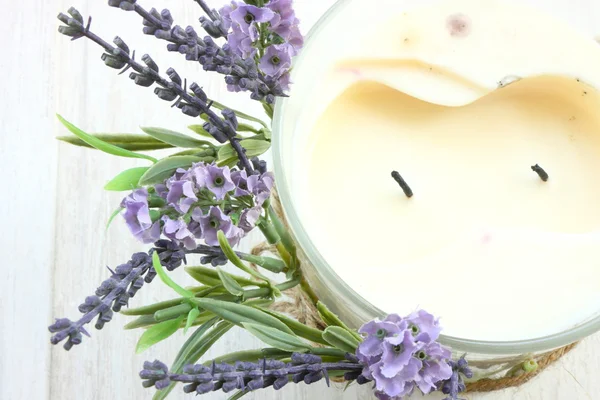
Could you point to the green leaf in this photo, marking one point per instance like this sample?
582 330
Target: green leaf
113 216
239 114
253 148
175 138
157 333
194 348
167 279
152 308
191 317
308 333
173 312
141 322
210 277
269 110
239 394
276 338
125 141
165 168
239 314
126 180
230 284
242 127
340 338
102 145
199 129
333 320
235 260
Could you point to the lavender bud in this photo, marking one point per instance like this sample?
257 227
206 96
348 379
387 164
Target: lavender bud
124 269
121 44
68 31
149 62
141 80
150 30
178 33
162 34
230 386
198 92
172 47
127 6
192 54
204 388
280 382
64 18
255 384
230 117
106 287
299 377
191 111
165 94
166 16
75 14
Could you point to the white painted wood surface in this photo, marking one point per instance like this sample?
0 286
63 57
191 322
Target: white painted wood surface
54 245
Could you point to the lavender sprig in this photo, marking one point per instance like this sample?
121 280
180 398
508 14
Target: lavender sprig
118 57
456 384
115 292
241 72
247 376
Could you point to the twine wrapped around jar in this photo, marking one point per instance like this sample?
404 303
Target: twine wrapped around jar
299 306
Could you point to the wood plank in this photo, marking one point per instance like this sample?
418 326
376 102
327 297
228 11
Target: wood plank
28 166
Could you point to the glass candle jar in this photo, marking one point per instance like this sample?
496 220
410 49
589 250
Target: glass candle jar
293 120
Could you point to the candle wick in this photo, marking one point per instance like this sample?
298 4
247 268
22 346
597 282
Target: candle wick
398 178
540 171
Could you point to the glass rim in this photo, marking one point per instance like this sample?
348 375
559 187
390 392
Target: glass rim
329 276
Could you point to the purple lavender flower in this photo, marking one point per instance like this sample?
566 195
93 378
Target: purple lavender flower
455 384
177 230
424 326
137 216
276 61
284 18
249 218
261 186
216 220
296 40
181 193
401 354
398 352
240 179
376 332
218 180
247 15
399 385
241 43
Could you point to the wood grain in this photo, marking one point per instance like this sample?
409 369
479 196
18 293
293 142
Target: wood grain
55 245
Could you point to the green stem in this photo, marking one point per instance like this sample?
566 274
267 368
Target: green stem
308 290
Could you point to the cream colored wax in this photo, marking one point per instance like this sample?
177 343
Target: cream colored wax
462 99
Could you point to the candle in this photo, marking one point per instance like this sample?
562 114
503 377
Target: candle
460 97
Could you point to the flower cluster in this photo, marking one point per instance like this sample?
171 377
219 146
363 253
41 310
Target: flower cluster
197 203
269 34
247 376
400 354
